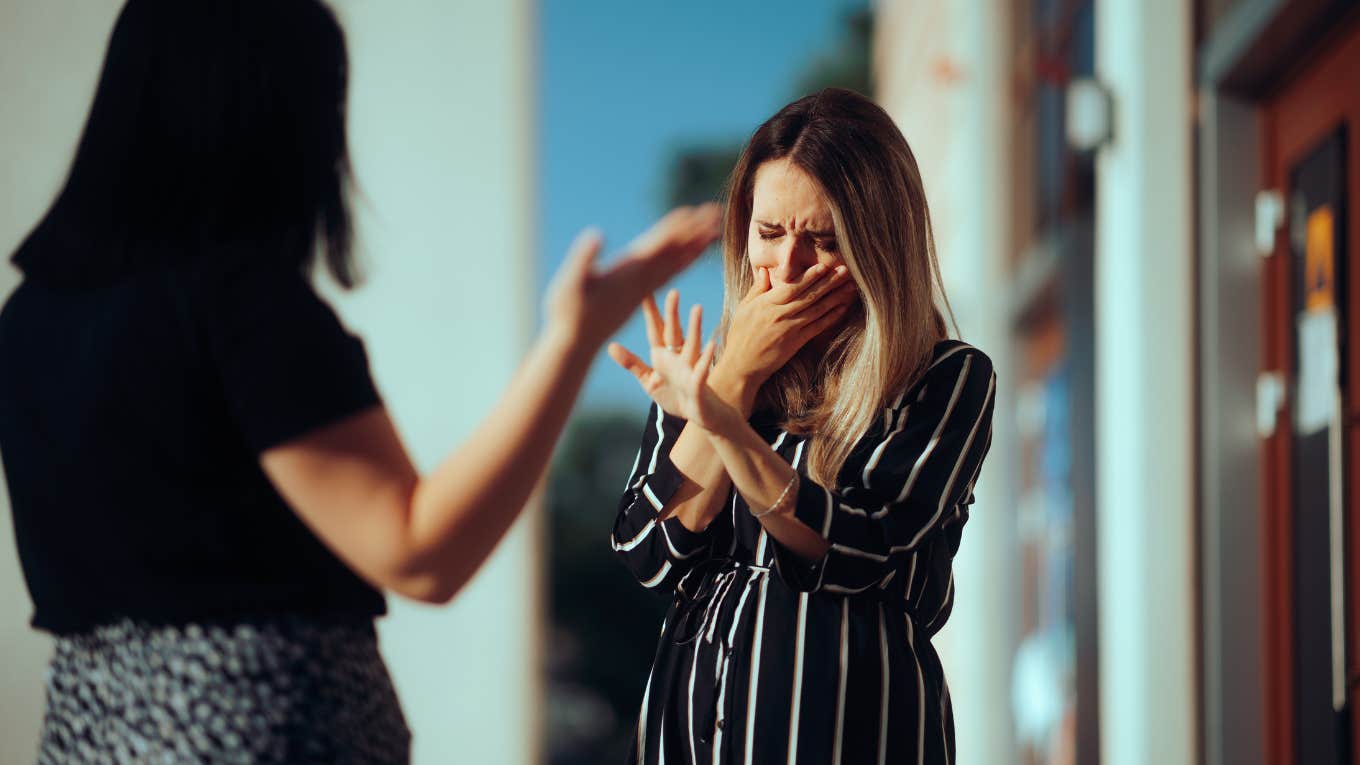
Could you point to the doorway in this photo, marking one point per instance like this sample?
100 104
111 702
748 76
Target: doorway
1309 131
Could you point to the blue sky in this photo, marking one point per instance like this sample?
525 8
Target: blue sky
621 86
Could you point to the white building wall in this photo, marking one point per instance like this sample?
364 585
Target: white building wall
50 53
1144 314
441 119
942 74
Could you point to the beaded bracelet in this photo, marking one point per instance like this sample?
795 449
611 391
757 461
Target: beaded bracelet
778 503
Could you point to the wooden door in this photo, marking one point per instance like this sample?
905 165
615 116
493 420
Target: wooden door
1312 301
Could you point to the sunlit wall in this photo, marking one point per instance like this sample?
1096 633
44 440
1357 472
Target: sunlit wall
50 52
939 69
955 75
441 136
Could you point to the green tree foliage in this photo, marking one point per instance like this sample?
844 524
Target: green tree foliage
698 174
604 623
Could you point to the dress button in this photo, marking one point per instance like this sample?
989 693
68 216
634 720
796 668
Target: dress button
722 724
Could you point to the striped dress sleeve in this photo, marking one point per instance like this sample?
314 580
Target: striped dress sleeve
658 553
917 479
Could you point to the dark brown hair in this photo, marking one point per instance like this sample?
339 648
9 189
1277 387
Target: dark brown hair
215 122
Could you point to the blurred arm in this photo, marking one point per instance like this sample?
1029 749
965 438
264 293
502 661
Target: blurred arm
355 487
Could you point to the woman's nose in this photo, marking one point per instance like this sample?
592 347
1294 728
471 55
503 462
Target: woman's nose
794 257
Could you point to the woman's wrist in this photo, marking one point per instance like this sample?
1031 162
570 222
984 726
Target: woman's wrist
784 503
694 519
736 389
565 345
728 426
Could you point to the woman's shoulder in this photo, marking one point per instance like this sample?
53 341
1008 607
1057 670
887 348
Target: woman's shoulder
952 362
951 354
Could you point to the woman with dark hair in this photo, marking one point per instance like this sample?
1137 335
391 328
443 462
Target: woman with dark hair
803 498
209 497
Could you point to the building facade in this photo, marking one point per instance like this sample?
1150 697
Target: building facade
1141 210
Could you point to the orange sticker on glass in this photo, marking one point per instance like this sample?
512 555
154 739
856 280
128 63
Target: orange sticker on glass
1318 262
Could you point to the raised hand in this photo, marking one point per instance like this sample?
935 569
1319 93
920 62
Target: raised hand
589 304
677 379
665 340
771 324
687 384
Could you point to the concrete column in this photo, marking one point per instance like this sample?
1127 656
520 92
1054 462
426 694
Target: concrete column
1145 461
943 75
441 120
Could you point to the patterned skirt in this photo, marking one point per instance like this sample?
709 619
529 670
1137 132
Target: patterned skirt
279 691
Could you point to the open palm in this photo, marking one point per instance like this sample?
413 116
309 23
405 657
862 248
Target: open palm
590 302
677 378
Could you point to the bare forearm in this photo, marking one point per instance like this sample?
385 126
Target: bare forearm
353 484
761 476
700 498
461 510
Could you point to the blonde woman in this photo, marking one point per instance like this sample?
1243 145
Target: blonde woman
803 497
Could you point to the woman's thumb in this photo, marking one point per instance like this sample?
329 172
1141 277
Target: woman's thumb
585 249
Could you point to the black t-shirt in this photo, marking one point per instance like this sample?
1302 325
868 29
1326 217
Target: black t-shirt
132 415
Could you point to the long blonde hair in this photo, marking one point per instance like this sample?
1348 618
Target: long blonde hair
852 148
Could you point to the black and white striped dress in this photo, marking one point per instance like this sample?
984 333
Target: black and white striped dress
767 658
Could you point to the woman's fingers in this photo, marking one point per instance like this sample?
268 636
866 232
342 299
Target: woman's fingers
581 257
683 227
669 367
675 241
672 332
704 364
846 291
630 361
760 284
787 293
810 307
824 287
695 337
842 294
653 318
824 322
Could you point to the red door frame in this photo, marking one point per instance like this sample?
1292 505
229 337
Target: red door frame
1320 97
